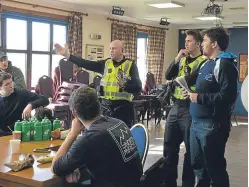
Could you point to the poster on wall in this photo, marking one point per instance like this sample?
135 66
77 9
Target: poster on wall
94 52
243 66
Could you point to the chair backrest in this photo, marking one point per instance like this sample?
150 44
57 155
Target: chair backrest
66 70
140 135
150 78
64 91
46 86
96 81
82 76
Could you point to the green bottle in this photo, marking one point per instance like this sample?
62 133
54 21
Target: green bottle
31 129
25 131
38 131
45 130
56 124
18 126
50 127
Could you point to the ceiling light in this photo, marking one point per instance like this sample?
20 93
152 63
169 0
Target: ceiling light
209 18
171 4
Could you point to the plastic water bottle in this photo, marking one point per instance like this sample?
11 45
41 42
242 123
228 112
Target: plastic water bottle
18 126
25 131
38 131
56 124
45 130
32 123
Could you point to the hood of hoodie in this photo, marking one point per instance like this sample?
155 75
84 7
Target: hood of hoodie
228 55
10 67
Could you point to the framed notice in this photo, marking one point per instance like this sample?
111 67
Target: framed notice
243 66
94 52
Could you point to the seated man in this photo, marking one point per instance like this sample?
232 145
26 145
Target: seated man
15 103
16 73
107 149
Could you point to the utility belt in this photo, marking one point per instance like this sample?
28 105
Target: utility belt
180 102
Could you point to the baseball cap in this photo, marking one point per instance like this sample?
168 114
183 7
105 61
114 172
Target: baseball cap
2 54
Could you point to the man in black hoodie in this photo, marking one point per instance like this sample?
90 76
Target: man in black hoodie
210 108
16 103
16 73
106 150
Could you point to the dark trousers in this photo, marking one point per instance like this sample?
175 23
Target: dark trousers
177 130
119 109
207 148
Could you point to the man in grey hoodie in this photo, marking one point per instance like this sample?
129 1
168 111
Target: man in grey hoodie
17 75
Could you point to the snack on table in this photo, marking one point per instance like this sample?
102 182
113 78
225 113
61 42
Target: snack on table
56 134
21 164
45 159
64 134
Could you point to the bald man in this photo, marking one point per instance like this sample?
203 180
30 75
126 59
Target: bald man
120 81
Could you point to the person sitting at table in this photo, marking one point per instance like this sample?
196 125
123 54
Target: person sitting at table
16 103
106 150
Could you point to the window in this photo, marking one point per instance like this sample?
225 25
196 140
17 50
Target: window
16 34
40 36
18 60
141 56
28 42
59 34
40 67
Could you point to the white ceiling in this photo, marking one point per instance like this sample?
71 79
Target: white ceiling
138 11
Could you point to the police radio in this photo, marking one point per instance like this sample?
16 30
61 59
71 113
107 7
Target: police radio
187 70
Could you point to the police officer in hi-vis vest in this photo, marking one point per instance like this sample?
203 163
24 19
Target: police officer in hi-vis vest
120 80
178 123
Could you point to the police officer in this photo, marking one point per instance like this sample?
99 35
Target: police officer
120 80
179 120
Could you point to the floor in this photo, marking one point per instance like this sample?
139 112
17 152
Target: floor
236 152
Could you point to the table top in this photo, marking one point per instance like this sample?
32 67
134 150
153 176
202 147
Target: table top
39 175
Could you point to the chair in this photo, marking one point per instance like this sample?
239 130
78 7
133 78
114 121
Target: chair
140 109
45 86
150 84
96 81
82 76
66 70
140 135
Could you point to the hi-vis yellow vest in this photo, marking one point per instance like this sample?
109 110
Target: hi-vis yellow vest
109 81
193 66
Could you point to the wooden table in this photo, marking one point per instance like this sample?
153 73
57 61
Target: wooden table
39 175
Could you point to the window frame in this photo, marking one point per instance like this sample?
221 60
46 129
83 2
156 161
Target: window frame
143 35
29 51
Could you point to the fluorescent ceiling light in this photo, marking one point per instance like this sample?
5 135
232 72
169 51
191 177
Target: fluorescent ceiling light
171 4
209 18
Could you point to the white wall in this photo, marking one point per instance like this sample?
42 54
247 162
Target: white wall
171 48
91 25
95 24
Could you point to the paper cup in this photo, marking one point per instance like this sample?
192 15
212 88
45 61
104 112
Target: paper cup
17 135
15 146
